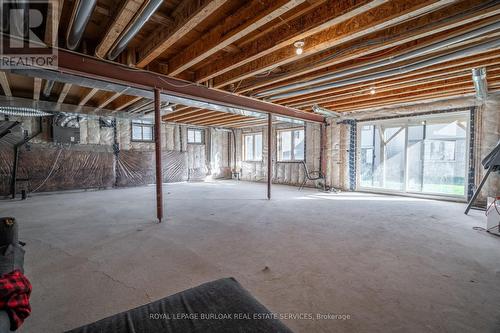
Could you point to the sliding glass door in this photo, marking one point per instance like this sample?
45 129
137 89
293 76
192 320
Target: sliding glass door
425 155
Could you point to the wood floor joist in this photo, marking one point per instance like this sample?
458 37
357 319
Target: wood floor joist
180 114
253 15
37 87
373 19
397 84
320 18
127 12
186 17
88 96
424 30
64 93
220 119
4 82
457 90
126 101
450 84
196 115
485 59
109 98
420 98
443 51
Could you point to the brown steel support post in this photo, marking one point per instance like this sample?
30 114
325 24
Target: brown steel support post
269 153
159 170
323 142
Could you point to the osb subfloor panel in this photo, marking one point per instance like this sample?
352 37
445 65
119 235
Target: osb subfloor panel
390 263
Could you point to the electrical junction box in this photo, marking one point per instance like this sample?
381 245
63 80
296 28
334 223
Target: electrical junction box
493 216
66 135
66 129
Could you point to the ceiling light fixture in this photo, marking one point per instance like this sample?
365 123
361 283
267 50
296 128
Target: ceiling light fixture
373 91
299 47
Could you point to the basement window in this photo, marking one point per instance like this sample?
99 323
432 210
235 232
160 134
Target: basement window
291 144
195 136
252 147
142 130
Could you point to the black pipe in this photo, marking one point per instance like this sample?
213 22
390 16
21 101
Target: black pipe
9 129
16 157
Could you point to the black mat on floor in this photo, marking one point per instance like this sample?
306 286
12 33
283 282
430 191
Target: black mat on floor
215 307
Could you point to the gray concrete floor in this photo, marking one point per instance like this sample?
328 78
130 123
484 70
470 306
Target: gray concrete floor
393 264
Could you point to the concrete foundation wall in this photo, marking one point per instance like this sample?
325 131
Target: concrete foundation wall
487 137
222 151
291 173
94 157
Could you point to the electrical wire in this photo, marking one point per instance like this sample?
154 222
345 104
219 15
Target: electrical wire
50 173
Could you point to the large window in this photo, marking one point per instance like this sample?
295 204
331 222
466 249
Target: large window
142 130
291 144
252 147
418 155
195 136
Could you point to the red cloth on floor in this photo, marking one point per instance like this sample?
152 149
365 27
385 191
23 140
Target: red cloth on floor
15 290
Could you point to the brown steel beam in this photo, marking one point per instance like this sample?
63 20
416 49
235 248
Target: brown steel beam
159 170
93 68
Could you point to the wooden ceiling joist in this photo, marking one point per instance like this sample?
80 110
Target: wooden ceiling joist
127 12
4 82
195 115
253 15
226 122
485 59
422 31
246 122
348 28
411 98
37 87
127 101
395 83
88 96
186 17
180 114
219 118
64 93
455 83
110 98
322 17
52 23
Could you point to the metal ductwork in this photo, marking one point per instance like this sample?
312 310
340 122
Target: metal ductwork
79 19
480 83
325 112
22 111
47 89
125 38
13 21
378 64
488 46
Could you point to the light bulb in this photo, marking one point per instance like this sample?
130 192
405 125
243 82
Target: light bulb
372 91
299 47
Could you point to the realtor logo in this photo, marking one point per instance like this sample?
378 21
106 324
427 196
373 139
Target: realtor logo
27 35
